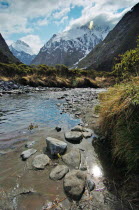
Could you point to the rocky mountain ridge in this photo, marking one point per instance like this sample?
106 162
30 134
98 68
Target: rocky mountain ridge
22 51
6 55
122 38
70 46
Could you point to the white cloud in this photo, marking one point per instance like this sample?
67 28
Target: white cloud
16 18
13 24
42 22
102 12
61 13
34 42
61 21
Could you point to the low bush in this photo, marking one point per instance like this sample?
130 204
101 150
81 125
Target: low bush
127 65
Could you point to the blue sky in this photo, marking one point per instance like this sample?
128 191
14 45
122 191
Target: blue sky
35 21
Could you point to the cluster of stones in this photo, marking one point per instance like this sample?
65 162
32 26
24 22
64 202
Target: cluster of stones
75 101
73 168
10 87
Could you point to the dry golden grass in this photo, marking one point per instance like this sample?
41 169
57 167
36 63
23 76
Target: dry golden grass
119 121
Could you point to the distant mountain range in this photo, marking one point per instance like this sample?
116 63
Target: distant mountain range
122 38
5 54
69 47
22 51
80 47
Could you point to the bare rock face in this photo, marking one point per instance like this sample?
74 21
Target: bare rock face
40 161
73 158
5 54
59 172
74 184
27 153
55 146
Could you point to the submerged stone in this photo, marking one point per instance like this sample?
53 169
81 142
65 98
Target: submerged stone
59 172
73 158
74 184
40 161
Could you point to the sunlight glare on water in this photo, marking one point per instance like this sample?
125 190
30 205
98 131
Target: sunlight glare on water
96 171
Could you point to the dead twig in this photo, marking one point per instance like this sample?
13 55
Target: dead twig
56 204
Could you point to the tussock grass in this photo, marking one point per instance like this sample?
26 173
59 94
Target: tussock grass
43 75
119 121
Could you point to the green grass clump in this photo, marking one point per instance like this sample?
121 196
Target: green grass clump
119 121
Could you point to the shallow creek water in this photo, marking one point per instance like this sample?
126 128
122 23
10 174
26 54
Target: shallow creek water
22 187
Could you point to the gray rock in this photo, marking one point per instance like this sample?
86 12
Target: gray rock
73 158
87 134
74 184
40 161
90 184
83 164
26 154
59 172
29 144
73 136
55 146
88 130
58 129
77 128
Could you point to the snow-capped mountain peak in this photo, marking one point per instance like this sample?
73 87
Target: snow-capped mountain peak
71 46
20 46
22 51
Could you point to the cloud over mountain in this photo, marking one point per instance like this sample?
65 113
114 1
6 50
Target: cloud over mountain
36 17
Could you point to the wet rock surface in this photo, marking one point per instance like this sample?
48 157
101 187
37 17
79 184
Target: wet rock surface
58 129
83 163
26 154
59 172
90 183
29 144
74 184
73 136
73 158
77 128
40 161
55 146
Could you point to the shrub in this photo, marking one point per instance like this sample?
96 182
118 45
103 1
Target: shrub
128 64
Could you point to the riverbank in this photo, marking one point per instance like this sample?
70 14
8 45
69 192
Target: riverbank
58 76
119 124
22 184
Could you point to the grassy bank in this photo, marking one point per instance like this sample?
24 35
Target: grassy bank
119 123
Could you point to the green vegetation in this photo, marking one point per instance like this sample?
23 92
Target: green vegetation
119 113
43 75
119 123
128 64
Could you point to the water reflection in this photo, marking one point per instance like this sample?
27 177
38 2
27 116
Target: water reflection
18 112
